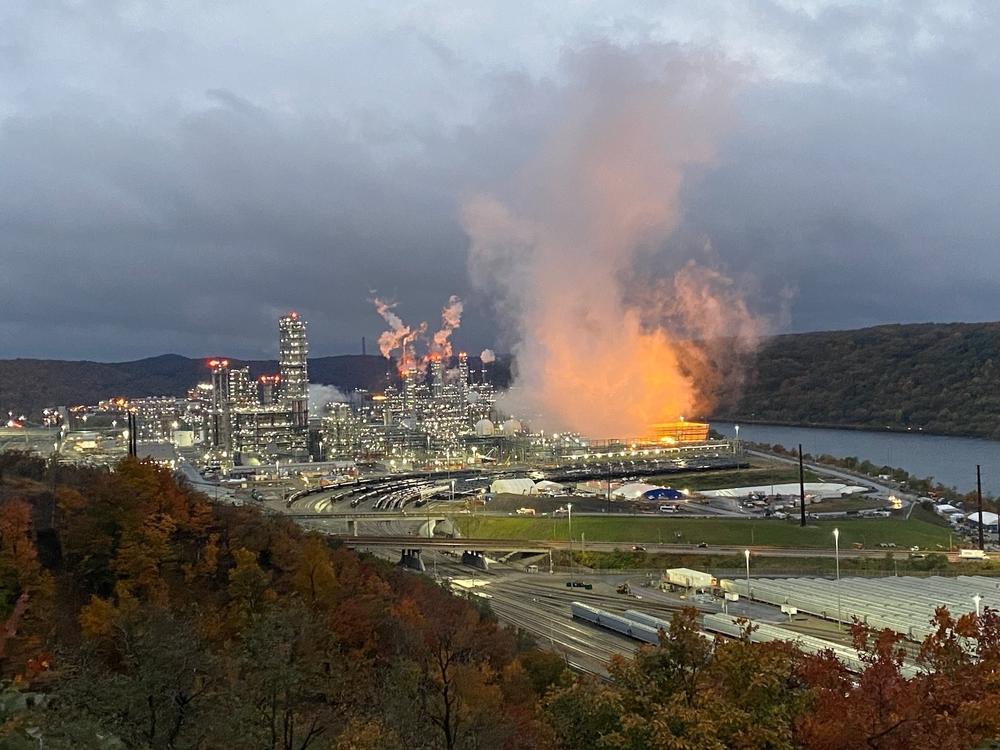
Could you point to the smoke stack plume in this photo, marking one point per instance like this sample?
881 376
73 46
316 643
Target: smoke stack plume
598 348
394 338
451 319
411 343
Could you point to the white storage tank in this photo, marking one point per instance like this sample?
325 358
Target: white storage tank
511 427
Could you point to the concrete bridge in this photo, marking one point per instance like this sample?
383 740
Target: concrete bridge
378 525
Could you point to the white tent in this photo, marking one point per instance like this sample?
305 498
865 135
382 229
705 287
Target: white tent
513 487
989 519
819 489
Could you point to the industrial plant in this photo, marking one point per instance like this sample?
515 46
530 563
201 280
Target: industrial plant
435 411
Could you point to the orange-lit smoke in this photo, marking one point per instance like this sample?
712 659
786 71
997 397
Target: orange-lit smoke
597 351
408 340
451 319
397 334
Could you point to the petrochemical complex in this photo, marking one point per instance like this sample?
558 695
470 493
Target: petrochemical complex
431 414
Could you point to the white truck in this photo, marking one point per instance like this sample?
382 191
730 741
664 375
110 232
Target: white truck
972 554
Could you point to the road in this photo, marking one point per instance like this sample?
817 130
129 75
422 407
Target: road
526 545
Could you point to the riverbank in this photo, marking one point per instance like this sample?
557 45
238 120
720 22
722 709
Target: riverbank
947 461
890 429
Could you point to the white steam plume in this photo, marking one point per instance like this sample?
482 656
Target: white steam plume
321 395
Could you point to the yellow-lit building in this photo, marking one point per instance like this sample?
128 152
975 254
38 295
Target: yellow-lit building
680 432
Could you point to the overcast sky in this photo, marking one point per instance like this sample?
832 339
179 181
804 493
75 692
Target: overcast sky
175 174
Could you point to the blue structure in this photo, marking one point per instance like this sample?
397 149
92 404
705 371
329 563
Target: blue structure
663 493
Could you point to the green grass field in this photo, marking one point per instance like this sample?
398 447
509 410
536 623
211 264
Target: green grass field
627 530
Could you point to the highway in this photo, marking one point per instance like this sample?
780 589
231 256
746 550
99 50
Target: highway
528 545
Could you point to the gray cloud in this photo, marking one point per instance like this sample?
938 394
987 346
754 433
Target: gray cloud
177 174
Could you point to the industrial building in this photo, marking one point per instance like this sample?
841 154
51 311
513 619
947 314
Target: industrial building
434 414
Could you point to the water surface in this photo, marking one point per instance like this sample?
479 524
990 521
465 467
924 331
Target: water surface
950 460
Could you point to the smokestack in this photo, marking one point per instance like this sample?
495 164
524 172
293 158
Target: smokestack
363 352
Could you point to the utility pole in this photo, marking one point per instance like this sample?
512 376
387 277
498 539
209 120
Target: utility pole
979 504
609 488
802 490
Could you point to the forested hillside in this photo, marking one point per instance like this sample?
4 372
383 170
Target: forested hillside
941 378
135 614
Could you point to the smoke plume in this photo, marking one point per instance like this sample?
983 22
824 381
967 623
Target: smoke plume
321 395
410 342
394 338
599 348
487 356
451 319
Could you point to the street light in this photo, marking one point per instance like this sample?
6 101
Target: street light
977 599
737 439
569 515
746 554
836 548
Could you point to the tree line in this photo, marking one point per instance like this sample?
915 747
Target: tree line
935 378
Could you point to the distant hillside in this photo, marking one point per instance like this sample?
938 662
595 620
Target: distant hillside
29 385
943 378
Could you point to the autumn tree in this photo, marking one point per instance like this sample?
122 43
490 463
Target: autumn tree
686 692
455 662
158 685
291 678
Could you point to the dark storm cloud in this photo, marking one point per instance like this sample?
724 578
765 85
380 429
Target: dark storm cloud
176 175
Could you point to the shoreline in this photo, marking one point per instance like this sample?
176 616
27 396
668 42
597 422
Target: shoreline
849 428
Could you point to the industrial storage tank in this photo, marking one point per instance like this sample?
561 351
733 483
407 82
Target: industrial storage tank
484 428
511 427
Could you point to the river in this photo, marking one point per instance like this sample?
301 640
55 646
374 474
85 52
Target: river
950 460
